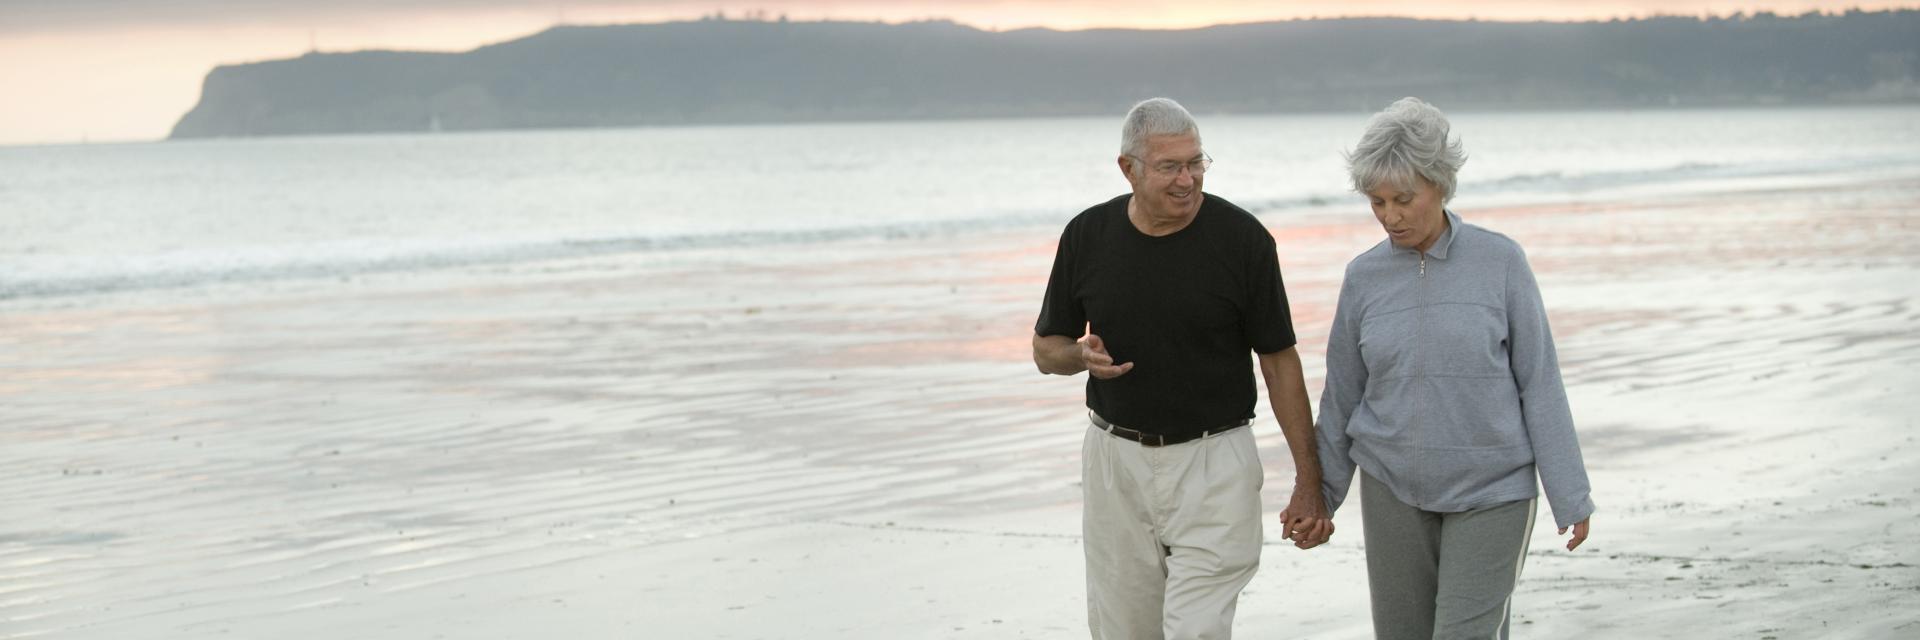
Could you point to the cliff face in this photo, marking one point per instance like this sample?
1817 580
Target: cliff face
731 71
319 93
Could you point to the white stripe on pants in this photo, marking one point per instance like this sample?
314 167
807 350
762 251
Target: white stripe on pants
1172 534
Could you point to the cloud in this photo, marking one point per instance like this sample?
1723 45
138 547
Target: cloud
70 15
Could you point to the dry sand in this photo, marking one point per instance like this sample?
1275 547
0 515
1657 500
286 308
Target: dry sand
849 441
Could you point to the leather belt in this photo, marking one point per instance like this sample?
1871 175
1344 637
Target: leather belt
1154 439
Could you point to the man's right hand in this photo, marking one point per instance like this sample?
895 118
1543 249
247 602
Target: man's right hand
1093 352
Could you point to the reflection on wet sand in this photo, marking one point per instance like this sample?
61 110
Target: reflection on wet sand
418 454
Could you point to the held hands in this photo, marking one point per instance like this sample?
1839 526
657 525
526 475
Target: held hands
1305 520
1579 533
1093 353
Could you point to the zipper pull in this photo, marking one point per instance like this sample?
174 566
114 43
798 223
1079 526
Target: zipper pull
1423 264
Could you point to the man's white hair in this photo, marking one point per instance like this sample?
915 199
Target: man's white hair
1154 117
1407 139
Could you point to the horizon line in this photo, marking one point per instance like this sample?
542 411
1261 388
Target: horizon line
783 19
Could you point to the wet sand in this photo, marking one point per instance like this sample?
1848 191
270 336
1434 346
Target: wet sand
848 440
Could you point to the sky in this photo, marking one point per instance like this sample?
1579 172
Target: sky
126 70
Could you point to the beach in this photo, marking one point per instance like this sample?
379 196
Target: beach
848 439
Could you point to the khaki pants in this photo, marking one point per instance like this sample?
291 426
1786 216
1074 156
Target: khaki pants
1172 534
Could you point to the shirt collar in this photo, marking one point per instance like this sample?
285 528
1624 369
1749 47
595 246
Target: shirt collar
1439 248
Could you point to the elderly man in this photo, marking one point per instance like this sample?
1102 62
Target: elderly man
1159 295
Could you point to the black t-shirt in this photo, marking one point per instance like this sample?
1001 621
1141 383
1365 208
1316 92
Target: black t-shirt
1184 308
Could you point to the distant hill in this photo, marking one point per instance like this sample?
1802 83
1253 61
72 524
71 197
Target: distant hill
720 71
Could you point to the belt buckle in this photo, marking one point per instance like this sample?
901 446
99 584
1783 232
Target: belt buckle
1158 439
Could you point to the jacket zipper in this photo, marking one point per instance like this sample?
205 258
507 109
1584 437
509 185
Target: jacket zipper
1421 355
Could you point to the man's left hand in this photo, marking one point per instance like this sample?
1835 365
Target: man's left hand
1305 520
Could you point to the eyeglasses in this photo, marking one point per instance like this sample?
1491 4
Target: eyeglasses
1169 168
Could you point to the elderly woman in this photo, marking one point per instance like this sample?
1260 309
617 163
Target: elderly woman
1443 389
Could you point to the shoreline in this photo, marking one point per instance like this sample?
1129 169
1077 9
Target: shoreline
326 274
749 443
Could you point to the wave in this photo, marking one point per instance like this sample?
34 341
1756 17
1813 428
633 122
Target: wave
1681 175
1559 181
210 268
192 269
1545 182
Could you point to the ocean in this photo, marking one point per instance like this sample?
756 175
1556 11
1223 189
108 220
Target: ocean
86 220
776 381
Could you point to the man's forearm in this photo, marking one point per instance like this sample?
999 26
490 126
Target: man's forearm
1296 422
1287 391
1057 355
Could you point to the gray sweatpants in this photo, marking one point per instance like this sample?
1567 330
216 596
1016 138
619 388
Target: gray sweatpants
1441 575
1172 534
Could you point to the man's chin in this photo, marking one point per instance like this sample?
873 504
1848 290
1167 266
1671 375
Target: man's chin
1184 207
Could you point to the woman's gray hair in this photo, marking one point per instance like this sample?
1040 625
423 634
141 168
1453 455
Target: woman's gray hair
1154 117
1406 139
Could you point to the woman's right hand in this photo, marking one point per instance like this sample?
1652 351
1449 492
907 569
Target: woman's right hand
1579 533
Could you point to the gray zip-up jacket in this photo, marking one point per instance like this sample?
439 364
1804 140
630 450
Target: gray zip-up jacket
1442 380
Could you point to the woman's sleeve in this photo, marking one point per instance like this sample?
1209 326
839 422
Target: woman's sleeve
1346 383
1543 398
